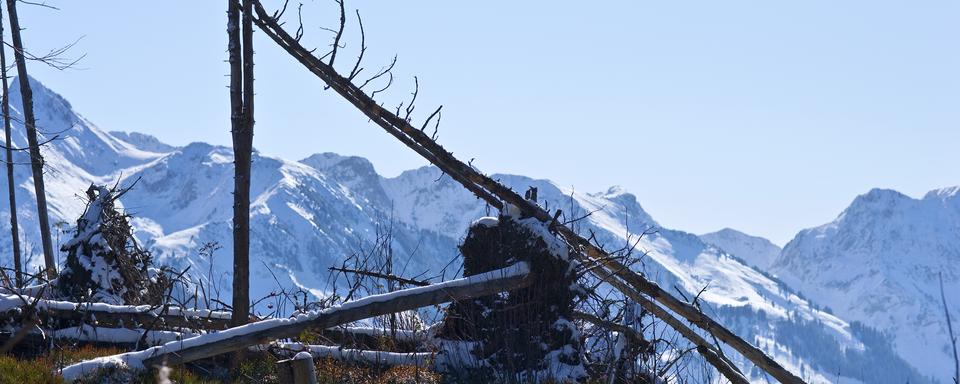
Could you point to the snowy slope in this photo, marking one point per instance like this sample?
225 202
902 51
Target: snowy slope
82 154
806 339
878 263
755 251
143 141
309 215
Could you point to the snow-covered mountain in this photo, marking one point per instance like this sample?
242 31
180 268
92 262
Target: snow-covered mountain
309 215
879 263
755 251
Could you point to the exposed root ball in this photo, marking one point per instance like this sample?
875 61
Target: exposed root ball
524 333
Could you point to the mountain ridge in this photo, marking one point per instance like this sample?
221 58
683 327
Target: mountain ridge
312 214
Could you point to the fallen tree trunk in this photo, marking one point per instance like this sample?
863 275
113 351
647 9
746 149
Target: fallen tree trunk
378 358
233 339
110 315
401 340
498 195
116 336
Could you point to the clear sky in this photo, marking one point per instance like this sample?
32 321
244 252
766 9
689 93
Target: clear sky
763 116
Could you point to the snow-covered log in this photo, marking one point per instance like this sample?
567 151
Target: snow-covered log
420 359
233 339
117 335
369 337
116 315
402 335
30 290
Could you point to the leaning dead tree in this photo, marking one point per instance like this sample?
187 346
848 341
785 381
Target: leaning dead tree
632 284
30 123
11 185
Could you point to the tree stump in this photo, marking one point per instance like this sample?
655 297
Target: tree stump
298 370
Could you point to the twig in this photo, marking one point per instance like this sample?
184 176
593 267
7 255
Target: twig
385 276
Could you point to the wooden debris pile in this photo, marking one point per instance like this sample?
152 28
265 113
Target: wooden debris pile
104 262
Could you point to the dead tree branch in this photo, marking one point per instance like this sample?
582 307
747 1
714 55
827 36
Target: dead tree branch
384 276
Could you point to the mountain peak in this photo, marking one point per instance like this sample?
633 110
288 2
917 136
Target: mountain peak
755 250
948 193
41 94
49 106
327 160
143 141
615 190
882 194
877 200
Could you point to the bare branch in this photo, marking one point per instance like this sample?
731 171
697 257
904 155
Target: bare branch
300 21
385 276
42 5
336 40
54 58
28 148
416 91
425 123
363 48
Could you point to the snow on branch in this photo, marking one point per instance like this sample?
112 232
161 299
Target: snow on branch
13 302
117 335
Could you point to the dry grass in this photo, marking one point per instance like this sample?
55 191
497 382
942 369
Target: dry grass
42 369
258 368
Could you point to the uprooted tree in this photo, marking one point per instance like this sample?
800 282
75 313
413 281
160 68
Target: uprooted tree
526 333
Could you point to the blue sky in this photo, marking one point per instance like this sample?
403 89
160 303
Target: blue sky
767 117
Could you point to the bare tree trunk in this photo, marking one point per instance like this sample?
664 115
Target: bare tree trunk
30 123
241 104
11 186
